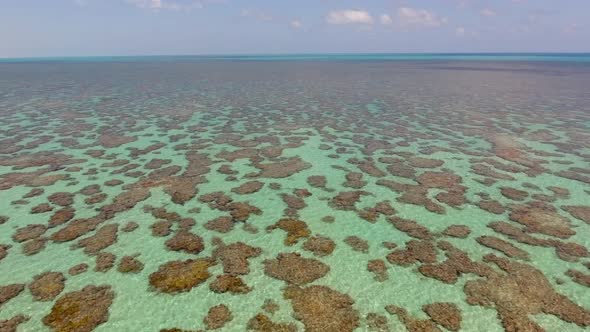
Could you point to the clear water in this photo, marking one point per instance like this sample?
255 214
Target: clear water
483 126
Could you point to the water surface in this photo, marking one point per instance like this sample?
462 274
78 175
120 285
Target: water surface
368 193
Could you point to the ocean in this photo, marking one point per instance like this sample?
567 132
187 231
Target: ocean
368 192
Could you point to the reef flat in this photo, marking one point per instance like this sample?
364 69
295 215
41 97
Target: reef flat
294 196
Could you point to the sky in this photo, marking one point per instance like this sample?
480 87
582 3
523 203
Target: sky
40 28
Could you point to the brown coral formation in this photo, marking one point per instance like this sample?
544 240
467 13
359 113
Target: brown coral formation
357 244
579 277
322 309
491 206
11 325
47 286
61 217
411 227
228 283
220 224
520 292
456 263
415 251
10 291
217 317
295 269
186 241
29 232
34 246
41 208
378 268
293 202
234 257
346 200
4 251
249 187
542 220
377 323
411 323
317 181
296 229
181 276
319 245
78 269
61 198
514 194
505 247
104 238
162 228
239 211
113 140
130 264
579 212
262 323
130 227
354 180
270 306
444 314
81 311
282 169
75 229
104 261
458 231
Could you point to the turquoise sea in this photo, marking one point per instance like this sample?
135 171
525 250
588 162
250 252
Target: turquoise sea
366 192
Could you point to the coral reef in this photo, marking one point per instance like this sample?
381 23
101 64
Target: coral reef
181 276
47 286
81 311
295 269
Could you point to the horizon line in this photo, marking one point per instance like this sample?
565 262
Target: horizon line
304 54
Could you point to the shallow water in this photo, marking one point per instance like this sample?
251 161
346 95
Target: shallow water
360 168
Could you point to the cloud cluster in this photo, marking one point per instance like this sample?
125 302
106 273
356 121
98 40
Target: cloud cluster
411 17
487 12
256 14
405 17
386 19
296 24
165 4
349 16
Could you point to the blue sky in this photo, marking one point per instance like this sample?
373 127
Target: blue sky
151 27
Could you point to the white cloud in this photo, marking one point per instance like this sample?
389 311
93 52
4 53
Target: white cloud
296 24
460 32
571 28
487 12
165 4
259 15
386 19
349 17
419 18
